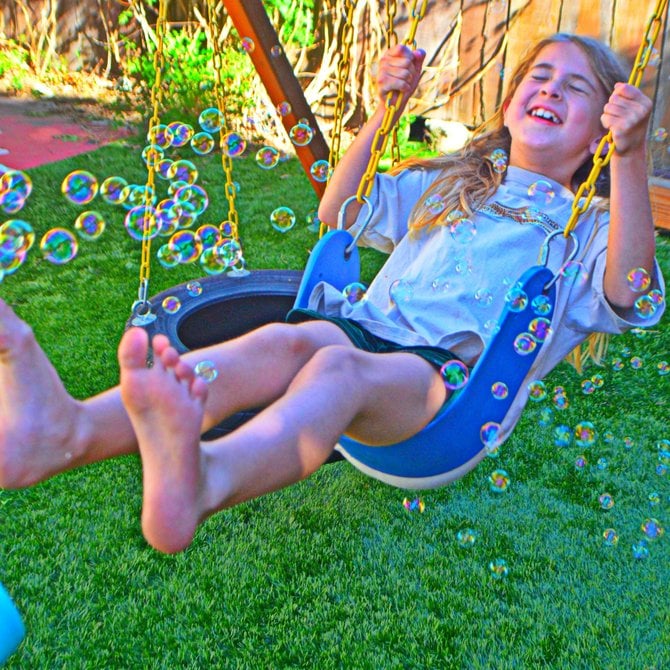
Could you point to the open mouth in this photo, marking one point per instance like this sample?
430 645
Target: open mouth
545 114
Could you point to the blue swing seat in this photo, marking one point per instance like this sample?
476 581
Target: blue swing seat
12 629
451 444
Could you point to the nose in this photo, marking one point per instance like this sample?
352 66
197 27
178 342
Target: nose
551 88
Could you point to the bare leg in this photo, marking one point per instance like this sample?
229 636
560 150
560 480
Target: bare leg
44 431
382 398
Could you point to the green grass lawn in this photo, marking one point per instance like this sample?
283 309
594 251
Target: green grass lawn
334 572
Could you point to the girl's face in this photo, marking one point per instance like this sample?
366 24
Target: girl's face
554 115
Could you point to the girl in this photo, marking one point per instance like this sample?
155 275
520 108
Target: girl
369 370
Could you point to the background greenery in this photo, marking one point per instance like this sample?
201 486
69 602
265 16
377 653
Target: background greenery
333 572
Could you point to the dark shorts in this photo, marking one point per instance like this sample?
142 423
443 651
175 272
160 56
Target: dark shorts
366 341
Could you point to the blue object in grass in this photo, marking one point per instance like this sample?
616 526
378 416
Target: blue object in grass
452 444
11 626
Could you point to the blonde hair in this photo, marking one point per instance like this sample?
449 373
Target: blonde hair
471 175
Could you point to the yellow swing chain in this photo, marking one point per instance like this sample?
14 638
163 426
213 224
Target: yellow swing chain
393 103
156 102
606 147
226 161
392 40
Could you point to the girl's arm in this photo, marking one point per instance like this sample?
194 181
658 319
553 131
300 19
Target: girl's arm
631 241
399 71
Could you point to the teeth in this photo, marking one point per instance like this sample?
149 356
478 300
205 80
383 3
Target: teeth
545 114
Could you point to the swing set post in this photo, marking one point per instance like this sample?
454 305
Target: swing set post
276 73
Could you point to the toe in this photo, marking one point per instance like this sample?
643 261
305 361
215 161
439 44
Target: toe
133 348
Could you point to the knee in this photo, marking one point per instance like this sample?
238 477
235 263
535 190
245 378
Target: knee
336 362
286 339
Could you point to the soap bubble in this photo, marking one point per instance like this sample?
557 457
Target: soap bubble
541 305
320 170
645 307
90 225
208 235
499 481
499 568
455 374
610 537
652 529
638 280
585 434
230 252
301 134
233 145
400 291
183 170
187 245
463 230
247 44
206 370
193 194
606 501
167 257
282 219
537 391
202 143
181 133
575 271
660 135
140 222
466 537
434 203
284 108
16 181
489 434
267 157
80 187
414 505
152 155
355 293
499 390
114 190
640 550
540 328
524 344
16 237
58 246
211 120
516 299
541 192
562 436
161 136
171 304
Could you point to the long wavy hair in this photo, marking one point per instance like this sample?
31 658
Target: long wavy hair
470 175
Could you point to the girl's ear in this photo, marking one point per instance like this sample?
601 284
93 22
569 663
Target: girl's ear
505 105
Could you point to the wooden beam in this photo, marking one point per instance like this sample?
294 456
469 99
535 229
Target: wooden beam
276 73
659 190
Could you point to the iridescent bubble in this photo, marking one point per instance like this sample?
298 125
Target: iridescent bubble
161 136
187 245
484 297
610 537
524 344
140 222
113 190
455 374
320 170
638 280
355 293
400 291
282 219
606 501
80 187
163 168
660 135
212 262
194 288
636 362
211 120
491 327
562 436
663 368
301 134
11 202
230 252
414 505
183 170
587 387
499 481
560 401
16 181
267 157
247 44
516 299
498 160
608 437
541 305
598 380
209 235
617 364
138 194
181 133
466 537
654 498
645 307
276 51
640 550
656 296
206 370
585 434
284 108
58 246
540 328
628 442
499 390
580 463
499 568
168 212
313 221
90 225
202 143
167 257
489 434
546 416
463 230
541 192
233 145
434 203
152 155
171 304
537 391
652 529
16 236
193 194
575 271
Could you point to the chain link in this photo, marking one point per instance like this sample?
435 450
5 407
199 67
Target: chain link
156 104
392 40
606 147
226 161
393 103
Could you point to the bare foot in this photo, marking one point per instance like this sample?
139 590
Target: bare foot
165 405
38 417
